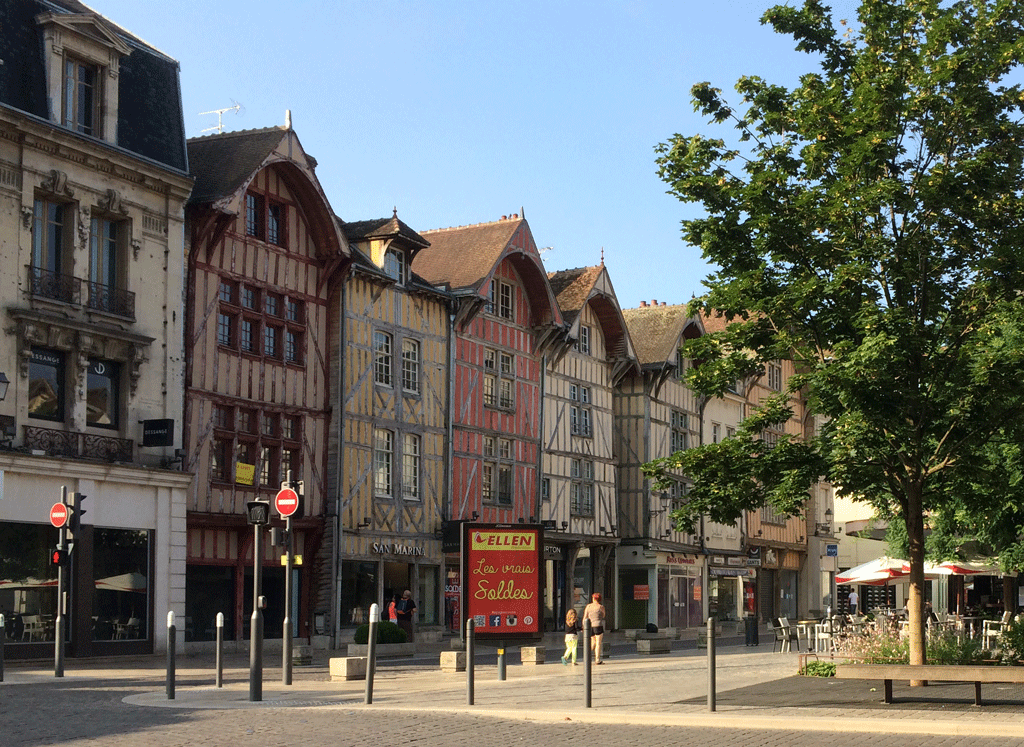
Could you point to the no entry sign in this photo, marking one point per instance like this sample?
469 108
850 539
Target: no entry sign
58 515
286 502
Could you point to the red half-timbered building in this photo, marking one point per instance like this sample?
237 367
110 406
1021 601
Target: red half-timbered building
264 250
505 322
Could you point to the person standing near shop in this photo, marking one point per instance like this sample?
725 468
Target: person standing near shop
853 602
595 613
406 609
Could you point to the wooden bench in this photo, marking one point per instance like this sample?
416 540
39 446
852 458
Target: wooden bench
931 672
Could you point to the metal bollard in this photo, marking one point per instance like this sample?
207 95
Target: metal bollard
470 657
501 661
172 642
220 649
371 653
3 637
587 659
711 664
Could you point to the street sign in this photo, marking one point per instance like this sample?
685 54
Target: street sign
58 515
831 551
258 513
286 502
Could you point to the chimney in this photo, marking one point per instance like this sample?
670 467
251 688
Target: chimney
504 217
643 304
654 302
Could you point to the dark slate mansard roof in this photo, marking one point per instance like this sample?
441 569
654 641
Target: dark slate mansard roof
150 121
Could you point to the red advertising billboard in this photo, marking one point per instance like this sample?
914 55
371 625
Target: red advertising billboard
503 580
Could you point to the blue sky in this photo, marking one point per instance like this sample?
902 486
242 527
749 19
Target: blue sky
460 112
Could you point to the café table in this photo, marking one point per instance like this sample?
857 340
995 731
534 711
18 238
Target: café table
805 629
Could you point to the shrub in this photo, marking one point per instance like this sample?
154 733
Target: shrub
819 669
387 632
946 647
1011 642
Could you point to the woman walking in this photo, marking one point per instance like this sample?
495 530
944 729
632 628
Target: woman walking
572 636
595 613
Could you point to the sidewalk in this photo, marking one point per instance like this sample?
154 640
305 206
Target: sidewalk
755 689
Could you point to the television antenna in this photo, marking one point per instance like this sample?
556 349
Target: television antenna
237 109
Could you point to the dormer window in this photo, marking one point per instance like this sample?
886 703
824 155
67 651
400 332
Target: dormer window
81 110
395 266
82 56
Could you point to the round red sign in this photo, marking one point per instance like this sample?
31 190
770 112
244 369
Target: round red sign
58 515
286 502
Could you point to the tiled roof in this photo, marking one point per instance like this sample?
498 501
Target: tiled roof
572 289
149 118
462 257
223 162
656 332
382 228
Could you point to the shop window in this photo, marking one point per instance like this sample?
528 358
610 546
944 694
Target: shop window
120 569
46 385
103 402
30 606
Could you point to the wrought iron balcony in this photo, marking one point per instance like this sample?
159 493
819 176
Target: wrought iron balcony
47 284
79 445
111 300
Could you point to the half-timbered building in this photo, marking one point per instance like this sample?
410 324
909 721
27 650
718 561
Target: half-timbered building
661 570
264 252
388 452
505 321
578 485
93 182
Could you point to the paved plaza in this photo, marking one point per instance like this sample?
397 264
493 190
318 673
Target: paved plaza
634 700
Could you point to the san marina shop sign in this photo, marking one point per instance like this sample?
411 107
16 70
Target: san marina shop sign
397 548
503 577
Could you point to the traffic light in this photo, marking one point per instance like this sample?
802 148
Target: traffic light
59 557
75 512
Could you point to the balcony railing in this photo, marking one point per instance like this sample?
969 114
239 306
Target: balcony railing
79 445
47 284
111 300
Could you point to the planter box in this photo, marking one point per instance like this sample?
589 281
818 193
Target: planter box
653 645
383 650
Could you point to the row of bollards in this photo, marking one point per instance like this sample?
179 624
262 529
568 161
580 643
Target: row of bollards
372 658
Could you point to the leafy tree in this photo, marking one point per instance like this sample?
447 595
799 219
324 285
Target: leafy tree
868 225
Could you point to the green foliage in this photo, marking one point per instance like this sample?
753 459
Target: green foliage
1011 642
867 225
886 646
387 632
946 647
819 669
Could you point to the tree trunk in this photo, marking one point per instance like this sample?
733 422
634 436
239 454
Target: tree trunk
915 602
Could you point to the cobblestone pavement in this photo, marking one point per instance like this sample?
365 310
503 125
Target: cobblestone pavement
636 700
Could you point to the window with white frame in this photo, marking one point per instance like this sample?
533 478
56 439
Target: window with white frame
382 351
769 515
716 432
410 365
411 467
383 461
774 374
499 379
680 422
496 474
545 489
501 299
83 97
581 497
583 341
395 266
580 413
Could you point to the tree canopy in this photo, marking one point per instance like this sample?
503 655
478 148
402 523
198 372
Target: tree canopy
867 224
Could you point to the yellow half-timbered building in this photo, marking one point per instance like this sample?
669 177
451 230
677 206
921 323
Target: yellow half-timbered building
388 454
